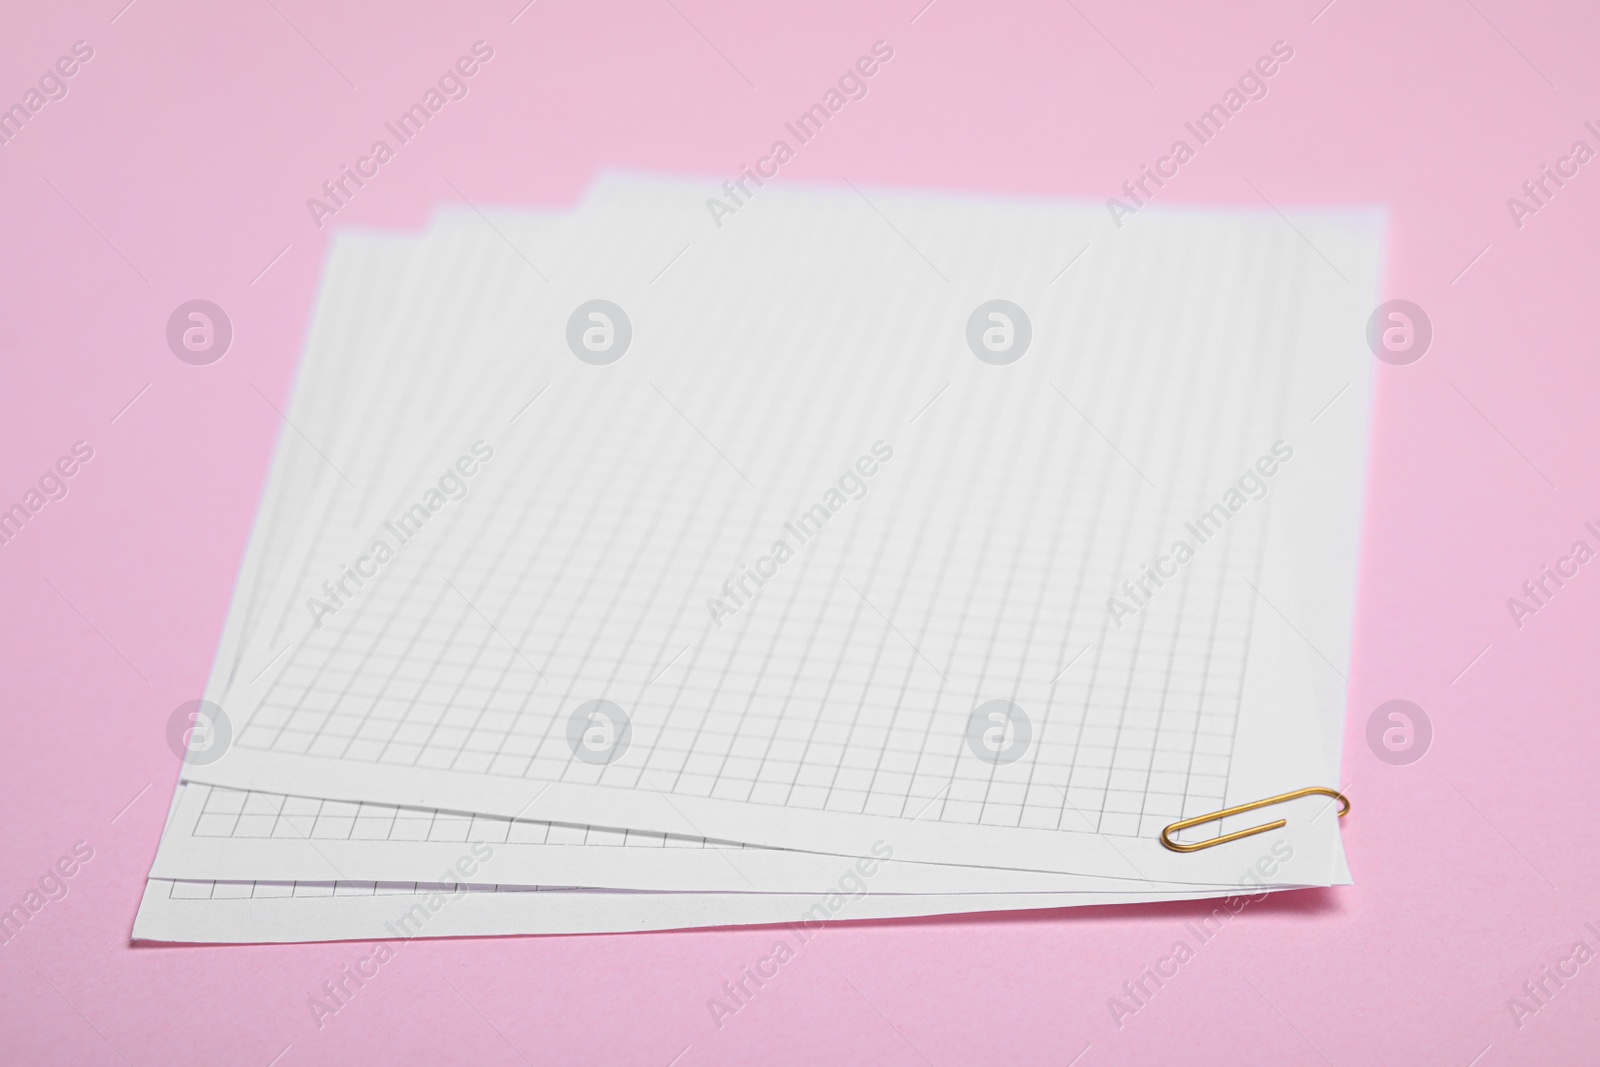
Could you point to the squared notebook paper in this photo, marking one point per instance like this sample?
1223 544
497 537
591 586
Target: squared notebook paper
684 565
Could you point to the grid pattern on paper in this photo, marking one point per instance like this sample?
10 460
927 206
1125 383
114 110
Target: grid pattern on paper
238 814
840 702
185 889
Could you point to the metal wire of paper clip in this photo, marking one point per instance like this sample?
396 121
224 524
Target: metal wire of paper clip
1217 816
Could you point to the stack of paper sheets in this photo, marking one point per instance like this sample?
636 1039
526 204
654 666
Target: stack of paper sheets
856 554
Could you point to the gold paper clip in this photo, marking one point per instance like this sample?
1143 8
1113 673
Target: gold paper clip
1217 816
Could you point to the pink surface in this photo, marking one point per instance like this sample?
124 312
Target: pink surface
177 167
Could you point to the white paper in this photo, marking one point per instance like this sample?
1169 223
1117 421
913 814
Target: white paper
222 835
1116 423
245 912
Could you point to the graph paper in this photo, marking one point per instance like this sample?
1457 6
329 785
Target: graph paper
229 835
978 566
217 912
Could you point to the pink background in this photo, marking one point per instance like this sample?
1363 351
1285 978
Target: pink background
181 161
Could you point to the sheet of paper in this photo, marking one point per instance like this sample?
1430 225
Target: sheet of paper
227 835
264 912
954 473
